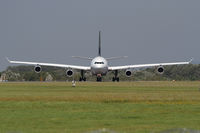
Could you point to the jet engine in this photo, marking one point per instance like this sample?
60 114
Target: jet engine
128 73
38 69
160 70
69 72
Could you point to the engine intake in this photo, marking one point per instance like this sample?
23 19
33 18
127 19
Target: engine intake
128 73
38 69
69 73
160 70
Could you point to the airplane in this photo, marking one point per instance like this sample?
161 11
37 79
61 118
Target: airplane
99 66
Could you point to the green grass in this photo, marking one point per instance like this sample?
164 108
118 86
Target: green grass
125 107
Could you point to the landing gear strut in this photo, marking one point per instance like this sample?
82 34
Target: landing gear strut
82 78
99 78
115 78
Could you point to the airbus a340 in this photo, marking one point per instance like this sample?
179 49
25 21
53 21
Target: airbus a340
99 66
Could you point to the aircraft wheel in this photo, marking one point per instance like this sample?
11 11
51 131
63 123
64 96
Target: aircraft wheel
117 79
99 79
82 79
113 79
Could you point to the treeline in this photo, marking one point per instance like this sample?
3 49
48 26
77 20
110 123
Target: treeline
27 73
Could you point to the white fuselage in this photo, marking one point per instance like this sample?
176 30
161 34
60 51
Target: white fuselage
99 66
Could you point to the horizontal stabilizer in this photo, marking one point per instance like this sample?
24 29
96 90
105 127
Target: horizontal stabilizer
80 57
114 58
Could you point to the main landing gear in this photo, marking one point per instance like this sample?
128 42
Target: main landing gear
115 78
82 78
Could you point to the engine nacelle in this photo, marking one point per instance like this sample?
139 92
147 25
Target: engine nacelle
128 73
160 70
38 69
69 72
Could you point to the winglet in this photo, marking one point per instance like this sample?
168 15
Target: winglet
7 59
191 60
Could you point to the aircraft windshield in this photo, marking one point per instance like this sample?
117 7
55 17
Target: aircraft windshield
99 63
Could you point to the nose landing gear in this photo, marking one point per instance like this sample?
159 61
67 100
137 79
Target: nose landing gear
99 78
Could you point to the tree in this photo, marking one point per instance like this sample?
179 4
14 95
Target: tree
26 73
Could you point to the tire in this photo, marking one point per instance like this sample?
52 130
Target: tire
113 79
117 79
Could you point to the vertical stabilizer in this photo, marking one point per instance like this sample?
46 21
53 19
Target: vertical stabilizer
99 54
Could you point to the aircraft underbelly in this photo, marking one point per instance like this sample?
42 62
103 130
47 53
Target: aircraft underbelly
102 71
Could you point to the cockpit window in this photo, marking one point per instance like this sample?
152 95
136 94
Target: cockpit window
99 63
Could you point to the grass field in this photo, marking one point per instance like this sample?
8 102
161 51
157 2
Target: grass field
125 107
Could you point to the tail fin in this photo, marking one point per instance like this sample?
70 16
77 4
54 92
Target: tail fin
99 54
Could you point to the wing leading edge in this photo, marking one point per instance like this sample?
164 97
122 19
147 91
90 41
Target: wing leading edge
51 64
112 68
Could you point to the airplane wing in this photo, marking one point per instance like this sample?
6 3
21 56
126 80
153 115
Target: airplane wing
51 64
112 68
